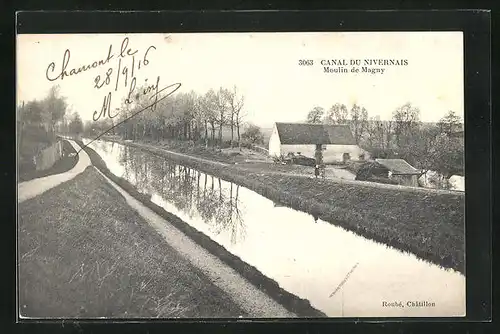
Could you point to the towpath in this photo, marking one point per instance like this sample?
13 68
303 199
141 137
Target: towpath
35 187
252 300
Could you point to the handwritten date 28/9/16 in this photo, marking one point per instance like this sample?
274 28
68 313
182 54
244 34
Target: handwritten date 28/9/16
125 71
306 62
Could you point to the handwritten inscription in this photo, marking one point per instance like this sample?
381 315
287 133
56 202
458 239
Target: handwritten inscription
74 71
125 72
128 62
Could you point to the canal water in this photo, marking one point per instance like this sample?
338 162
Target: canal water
339 272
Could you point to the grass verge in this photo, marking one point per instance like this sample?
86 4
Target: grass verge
84 253
292 303
424 222
62 165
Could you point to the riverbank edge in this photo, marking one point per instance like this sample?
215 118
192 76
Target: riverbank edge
301 307
449 257
64 164
106 260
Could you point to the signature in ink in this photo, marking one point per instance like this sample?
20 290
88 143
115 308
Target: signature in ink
165 92
106 105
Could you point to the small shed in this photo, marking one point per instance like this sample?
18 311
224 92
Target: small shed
397 171
401 171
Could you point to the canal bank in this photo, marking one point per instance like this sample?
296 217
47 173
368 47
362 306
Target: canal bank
300 307
426 222
85 253
337 271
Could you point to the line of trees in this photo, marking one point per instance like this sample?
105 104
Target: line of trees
200 118
428 146
41 120
356 117
45 114
38 122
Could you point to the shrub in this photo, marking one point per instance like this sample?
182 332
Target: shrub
370 170
253 135
246 144
280 159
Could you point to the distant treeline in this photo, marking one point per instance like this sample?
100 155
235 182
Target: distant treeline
427 146
183 116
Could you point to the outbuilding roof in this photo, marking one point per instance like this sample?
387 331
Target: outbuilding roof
398 166
304 133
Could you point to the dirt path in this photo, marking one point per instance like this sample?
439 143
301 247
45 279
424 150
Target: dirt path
248 297
84 255
35 187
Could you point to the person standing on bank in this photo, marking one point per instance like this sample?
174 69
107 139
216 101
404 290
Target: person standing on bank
316 171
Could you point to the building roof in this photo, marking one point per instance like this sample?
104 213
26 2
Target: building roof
398 166
303 133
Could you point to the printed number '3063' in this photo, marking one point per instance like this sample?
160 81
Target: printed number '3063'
306 62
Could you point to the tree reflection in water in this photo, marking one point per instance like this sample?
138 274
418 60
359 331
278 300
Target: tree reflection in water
104 147
123 157
195 193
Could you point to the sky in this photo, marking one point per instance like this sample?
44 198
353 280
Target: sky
263 66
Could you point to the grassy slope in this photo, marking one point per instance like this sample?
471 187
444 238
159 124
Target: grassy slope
426 223
429 225
83 252
291 302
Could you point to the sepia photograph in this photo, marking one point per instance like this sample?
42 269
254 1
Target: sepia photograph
240 175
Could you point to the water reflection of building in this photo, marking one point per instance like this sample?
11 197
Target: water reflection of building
196 194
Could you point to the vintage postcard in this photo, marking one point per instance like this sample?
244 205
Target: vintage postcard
245 175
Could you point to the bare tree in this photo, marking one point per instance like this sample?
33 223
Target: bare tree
236 104
239 122
76 125
337 114
55 107
406 123
184 116
201 117
450 123
222 108
315 116
209 107
358 122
